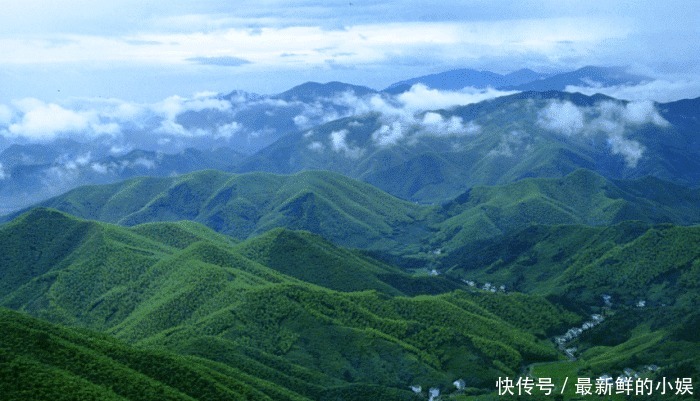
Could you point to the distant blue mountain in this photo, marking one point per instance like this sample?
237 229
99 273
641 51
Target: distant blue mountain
38 171
311 91
523 76
586 77
522 80
452 80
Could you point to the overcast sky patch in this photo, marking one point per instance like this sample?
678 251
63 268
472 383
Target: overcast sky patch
224 61
119 47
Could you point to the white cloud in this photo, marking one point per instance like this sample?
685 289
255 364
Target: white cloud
58 178
100 168
78 162
661 90
421 97
105 129
318 112
316 146
356 43
610 119
563 117
435 124
40 121
503 149
630 150
115 122
170 127
65 172
302 121
228 130
388 135
643 112
43 121
143 162
418 99
6 115
400 126
125 111
3 174
403 116
339 144
432 118
366 36
118 167
119 149
509 144
172 106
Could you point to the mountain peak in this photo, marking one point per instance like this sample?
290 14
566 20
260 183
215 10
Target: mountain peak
450 80
39 214
522 76
588 76
311 91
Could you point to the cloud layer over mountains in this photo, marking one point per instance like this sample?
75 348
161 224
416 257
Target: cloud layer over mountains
608 119
249 122
55 146
661 90
208 119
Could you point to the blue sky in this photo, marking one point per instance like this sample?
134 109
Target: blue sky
147 50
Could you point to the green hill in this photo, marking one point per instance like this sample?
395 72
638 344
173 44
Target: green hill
42 361
350 213
366 337
182 288
345 211
312 259
180 234
582 197
630 261
71 270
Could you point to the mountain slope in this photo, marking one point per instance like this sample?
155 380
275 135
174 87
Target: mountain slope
201 297
523 80
38 171
433 156
308 257
82 271
644 280
310 92
351 213
451 80
582 197
630 261
589 76
182 287
50 362
345 211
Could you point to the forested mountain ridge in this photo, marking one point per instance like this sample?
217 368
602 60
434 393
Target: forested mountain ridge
184 288
432 156
351 213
